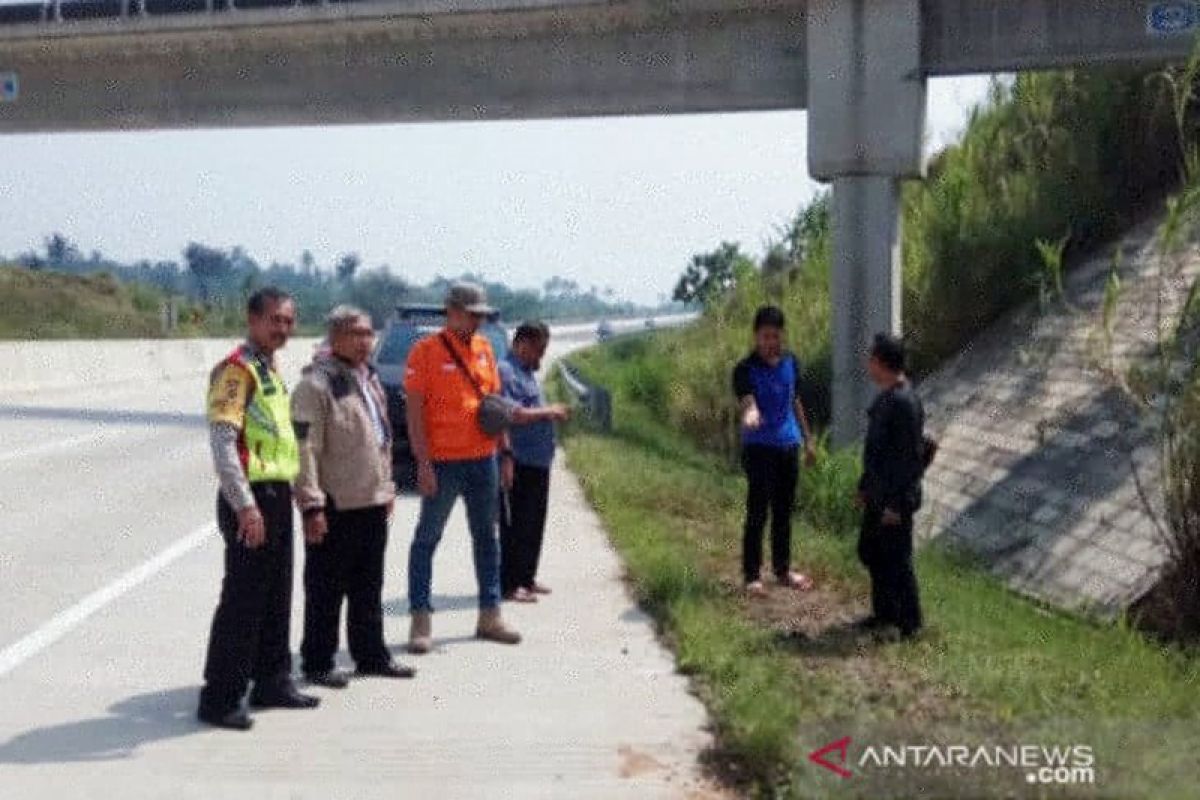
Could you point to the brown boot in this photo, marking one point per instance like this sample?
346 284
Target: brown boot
492 628
420 634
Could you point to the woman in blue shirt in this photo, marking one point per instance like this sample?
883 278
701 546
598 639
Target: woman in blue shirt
774 429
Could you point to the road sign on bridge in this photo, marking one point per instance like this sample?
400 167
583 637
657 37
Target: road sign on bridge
1172 18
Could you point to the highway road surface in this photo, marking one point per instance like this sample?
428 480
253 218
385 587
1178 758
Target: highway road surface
110 569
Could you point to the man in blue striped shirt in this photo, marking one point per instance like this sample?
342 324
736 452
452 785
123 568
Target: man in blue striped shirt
526 466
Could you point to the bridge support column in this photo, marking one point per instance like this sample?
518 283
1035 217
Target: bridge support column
866 117
865 279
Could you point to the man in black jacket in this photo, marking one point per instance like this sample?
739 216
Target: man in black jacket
890 490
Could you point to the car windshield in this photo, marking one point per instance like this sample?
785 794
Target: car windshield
399 340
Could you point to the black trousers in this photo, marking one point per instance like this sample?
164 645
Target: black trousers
347 564
771 474
887 553
522 526
252 623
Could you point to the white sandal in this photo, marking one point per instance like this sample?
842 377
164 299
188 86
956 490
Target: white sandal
756 589
796 580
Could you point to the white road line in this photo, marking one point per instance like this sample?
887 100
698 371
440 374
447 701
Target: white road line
58 444
74 442
65 621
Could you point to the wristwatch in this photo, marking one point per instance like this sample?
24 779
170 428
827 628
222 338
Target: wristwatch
506 453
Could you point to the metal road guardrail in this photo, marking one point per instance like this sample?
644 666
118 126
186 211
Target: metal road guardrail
595 401
48 11
42 12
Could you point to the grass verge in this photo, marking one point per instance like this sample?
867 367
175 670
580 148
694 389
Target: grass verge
788 675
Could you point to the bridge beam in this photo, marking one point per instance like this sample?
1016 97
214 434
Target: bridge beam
324 68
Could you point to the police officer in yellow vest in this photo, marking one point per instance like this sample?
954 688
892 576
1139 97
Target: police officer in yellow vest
256 458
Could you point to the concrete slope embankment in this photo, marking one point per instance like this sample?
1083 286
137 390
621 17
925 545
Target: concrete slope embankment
1034 474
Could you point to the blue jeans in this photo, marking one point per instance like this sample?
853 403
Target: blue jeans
478 483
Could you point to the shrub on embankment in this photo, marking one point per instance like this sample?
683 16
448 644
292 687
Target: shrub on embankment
1071 156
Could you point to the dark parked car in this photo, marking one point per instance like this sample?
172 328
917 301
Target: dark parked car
604 331
411 324
17 13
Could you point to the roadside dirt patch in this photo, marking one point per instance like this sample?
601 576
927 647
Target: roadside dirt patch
635 764
866 680
817 626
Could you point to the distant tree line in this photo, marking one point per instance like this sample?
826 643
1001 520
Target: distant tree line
217 281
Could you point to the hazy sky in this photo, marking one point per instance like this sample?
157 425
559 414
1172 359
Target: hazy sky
609 202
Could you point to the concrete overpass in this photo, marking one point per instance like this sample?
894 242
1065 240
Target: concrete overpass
858 65
403 60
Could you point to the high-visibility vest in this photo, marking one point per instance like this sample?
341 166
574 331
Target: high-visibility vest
271 452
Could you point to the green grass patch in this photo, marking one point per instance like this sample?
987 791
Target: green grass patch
786 678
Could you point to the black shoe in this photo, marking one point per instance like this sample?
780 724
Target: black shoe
282 697
388 670
236 720
908 634
888 634
332 679
871 623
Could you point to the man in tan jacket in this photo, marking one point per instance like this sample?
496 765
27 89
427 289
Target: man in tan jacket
346 494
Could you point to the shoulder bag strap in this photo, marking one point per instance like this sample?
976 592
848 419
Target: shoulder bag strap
463 367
